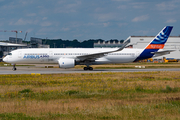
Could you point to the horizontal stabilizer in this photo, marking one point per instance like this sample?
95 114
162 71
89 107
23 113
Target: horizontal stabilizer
160 53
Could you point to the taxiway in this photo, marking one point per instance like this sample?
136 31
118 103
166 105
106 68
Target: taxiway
30 70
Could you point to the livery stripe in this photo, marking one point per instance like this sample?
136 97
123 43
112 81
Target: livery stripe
147 53
155 46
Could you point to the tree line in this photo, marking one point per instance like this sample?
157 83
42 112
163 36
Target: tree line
59 43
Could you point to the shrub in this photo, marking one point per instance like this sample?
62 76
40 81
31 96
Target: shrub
26 91
71 92
139 88
169 89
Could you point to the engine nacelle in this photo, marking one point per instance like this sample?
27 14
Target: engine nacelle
66 62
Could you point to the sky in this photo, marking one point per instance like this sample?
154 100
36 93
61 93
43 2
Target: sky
87 19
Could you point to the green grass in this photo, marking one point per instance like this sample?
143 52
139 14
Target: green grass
17 116
3 64
99 93
152 111
131 95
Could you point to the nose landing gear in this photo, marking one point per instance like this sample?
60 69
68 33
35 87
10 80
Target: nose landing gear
14 67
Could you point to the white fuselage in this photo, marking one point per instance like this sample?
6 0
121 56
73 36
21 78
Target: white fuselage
69 57
52 55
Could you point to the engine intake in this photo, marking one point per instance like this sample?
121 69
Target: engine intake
66 62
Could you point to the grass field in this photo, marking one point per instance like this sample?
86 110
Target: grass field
131 95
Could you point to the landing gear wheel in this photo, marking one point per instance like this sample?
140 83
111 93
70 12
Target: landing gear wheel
85 68
88 68
14 69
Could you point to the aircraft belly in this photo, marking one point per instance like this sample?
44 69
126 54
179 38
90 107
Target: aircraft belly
121 59
101 61
31 61
26 61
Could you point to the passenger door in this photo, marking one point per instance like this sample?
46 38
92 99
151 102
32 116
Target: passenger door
19 54
50 59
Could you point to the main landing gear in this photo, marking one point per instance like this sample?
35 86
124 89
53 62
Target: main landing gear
14 67
88 68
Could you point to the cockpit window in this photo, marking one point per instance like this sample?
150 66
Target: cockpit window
9 53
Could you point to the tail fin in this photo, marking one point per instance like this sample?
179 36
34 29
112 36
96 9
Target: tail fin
156 44
160 39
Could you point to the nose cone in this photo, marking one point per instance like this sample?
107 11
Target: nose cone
5 59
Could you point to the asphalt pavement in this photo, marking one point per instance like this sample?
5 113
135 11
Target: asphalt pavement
40 70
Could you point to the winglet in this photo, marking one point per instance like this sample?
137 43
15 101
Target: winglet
127 41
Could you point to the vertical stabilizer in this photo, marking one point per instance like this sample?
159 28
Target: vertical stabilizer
157 43
160 39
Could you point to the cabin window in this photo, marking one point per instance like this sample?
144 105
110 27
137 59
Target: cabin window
9 53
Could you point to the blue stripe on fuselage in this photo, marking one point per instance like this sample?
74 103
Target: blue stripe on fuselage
147 53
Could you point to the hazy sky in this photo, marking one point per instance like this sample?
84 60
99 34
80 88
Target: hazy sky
88 19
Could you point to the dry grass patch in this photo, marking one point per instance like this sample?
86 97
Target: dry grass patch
130 95
94 109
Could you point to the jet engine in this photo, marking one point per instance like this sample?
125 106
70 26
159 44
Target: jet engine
66 62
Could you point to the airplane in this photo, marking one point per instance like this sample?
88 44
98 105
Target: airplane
70 57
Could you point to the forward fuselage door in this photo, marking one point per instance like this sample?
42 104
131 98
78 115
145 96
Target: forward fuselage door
50 56
19 54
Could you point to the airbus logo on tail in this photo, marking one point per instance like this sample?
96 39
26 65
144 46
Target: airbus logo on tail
162 37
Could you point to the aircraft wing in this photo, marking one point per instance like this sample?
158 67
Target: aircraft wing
93 56
160 53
